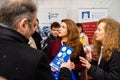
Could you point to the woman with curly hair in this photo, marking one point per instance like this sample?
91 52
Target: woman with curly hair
106 43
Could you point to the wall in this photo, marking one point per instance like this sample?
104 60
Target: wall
72 6
113 10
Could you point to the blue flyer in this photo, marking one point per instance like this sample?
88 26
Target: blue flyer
63 56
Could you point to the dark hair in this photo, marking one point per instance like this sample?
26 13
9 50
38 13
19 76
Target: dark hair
80 25
55 25
11 12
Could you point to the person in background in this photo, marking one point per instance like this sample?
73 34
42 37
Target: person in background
53 35
106 44
69 37
83 36
18 61
37 37
85 43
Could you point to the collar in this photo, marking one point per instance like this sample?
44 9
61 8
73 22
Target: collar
8 33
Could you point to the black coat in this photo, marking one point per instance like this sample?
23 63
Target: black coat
18 61
37 38
107 70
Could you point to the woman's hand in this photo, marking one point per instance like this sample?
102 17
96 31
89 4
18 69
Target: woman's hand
89 52
85 62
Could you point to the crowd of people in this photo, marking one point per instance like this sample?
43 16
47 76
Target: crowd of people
23 58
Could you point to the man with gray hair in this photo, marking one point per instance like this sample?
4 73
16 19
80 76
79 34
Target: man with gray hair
19 61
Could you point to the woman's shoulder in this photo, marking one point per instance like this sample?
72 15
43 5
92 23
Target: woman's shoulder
115 55
116 52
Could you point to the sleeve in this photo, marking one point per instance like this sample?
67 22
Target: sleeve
65 74
43 68
76 60
112 72
46 45
94 62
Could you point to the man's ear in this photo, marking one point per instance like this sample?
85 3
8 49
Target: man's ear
22 25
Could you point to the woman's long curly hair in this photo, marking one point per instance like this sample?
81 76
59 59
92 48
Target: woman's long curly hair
73 37
111 39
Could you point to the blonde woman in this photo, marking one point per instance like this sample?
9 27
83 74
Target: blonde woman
106 44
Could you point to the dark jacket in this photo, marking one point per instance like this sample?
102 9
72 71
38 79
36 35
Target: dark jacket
37 38
107 70
18 61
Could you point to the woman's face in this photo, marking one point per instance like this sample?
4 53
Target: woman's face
100 32
63 30
79 29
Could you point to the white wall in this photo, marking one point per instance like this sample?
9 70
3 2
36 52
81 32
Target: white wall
72 6
114 9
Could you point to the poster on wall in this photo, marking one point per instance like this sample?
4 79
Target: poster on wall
91 15
44 30
47 16
89 18
89 29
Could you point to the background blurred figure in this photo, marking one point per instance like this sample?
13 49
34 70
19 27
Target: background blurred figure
37 37
84 40
53 35
106 44
83 36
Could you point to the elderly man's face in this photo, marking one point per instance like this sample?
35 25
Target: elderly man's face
31 28
26 27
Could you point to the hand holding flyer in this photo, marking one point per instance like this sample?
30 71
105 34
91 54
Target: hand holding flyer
63 56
